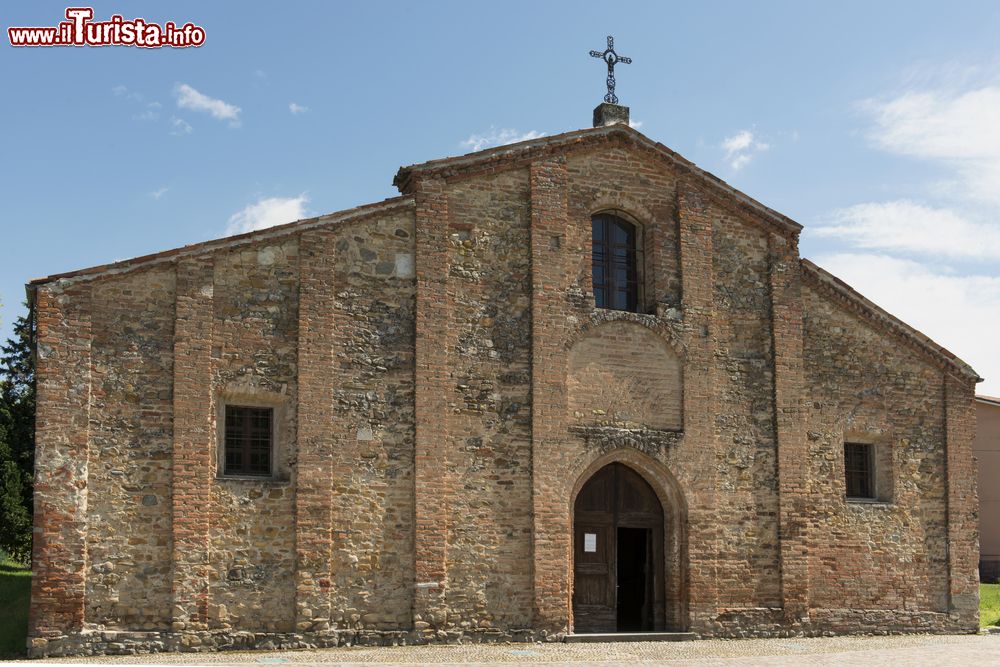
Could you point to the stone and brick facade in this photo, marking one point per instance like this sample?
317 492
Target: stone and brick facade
443 387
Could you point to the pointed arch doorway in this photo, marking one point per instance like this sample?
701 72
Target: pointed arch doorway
618 554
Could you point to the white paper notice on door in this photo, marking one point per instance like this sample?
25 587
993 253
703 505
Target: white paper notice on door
590 542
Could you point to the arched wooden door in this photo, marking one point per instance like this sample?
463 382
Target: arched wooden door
618 574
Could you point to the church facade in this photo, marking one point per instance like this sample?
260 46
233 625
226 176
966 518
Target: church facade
570 385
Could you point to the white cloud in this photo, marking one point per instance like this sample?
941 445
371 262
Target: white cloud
156 194
498 137
297 108
189 98
179 126
909 227
741 148
960 312
959 129
948 120
740 141
267 213
151 110
938 124
123 91
634 124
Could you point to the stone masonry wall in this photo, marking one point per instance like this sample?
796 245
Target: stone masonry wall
749 566
254 356
863 387
444 386
129 571
371 384
489 456
236 571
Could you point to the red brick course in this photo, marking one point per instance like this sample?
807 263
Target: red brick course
315 472
434 343
62 430
194 440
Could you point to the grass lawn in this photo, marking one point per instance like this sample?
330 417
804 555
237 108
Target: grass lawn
989 604
15 591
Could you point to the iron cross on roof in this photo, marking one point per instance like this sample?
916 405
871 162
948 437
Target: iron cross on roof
611 58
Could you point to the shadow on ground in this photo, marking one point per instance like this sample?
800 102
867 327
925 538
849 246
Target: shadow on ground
15 593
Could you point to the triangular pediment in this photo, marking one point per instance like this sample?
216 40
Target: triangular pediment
516 155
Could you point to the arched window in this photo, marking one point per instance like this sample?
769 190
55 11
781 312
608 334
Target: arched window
615 254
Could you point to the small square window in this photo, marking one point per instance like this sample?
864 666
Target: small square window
859 470
249 440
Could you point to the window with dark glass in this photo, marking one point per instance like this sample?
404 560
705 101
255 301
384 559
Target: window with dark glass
249 436
859 469
616 275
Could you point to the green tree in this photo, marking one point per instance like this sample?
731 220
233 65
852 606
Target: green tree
17 439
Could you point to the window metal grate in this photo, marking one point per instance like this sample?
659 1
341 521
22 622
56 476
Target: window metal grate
859 470
615 265
249 434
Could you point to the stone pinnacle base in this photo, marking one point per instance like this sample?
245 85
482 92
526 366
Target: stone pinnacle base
610 114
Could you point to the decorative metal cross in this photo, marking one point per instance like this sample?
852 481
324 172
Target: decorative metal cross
611 58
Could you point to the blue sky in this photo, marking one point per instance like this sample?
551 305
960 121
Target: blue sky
875 125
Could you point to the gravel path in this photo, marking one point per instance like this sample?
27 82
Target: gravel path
896 651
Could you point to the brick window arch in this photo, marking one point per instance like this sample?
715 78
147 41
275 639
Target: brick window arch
616 260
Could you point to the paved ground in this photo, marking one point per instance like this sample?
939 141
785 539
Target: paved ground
899 651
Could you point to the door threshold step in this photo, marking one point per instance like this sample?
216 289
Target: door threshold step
630 637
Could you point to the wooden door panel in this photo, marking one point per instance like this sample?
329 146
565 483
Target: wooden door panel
592 589
614 497
594 618
593 575
601 540
593 571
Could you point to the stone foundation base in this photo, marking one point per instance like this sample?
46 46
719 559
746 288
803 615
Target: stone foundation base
772 622
728 624
120 642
